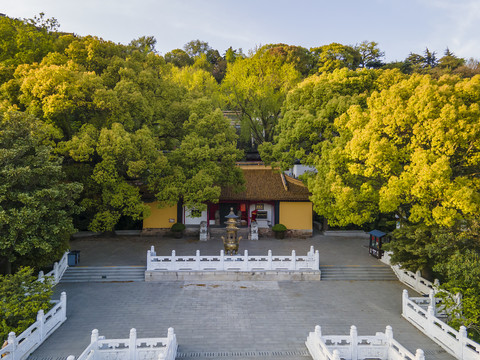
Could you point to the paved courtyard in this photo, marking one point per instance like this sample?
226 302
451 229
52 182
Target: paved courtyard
263 319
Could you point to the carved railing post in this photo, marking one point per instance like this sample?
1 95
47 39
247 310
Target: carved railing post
389 335
94 344
197 260
149 260
12 340
353 342
222 260
245 265
418 276
462 337
63 301
293 262
174 264
419 355
41 323
56 273
132 344
270 260
430 319
433 301
404 302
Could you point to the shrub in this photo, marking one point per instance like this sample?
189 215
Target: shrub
21 297
279 228
177 227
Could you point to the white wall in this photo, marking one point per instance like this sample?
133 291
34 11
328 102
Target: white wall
302 169
266 207
189 220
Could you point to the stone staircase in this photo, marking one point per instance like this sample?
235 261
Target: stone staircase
357 273
293 354
104 274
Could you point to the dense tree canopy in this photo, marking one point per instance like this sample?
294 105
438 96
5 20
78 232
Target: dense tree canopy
36 204
309 113
121 113
391 142
257 87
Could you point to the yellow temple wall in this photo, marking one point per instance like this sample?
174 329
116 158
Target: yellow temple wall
296 215
160 218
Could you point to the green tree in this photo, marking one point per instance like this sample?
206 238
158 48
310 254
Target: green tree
413 63
371 55
303 60
21 297
198 83
413 152
118 160
26 41
144 44
257 87
309 113
204 161
36 203
449 61
430 58
462 274
195 48
178 57
336 56
232 54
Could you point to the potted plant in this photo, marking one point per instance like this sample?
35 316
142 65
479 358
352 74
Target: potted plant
279 230
177 230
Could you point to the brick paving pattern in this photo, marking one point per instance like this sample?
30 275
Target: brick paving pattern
237 320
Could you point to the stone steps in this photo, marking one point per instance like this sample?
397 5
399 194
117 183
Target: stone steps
293 354
358 273
104 274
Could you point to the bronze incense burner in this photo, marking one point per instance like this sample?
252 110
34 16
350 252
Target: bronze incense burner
231 242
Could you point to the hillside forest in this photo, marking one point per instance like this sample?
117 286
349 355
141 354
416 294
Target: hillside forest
89 128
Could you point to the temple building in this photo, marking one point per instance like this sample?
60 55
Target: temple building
270 197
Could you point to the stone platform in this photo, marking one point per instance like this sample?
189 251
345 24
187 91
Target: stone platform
157 276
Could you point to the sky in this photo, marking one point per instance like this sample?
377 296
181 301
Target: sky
398 26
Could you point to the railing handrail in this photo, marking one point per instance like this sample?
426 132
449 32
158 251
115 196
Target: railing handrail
99 345
354 346
239 262
21 346
58 270
455 342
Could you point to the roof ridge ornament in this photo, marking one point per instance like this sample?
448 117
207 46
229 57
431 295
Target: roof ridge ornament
284 181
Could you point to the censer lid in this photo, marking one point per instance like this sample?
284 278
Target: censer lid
231 215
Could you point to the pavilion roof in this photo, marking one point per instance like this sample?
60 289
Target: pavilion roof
264 183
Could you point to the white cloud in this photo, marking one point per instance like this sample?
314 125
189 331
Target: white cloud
459 27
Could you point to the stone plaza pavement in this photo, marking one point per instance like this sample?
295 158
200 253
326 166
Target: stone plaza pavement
235 320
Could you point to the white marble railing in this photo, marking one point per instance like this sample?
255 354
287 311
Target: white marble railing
335 347
454 342
414 280
233 263
131 348
58 270
20 347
